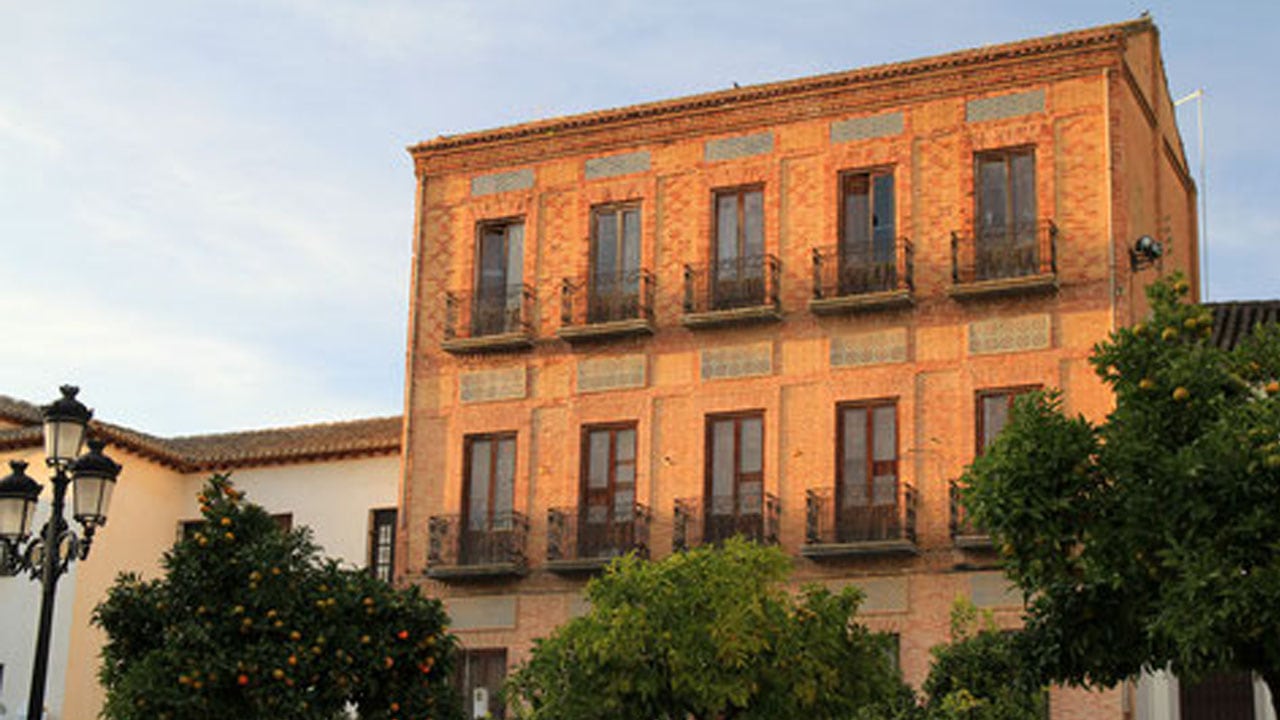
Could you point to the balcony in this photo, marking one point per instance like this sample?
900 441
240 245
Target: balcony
732 292
487 548
851 283
755 520
576 545
832 532
606 306
1016 259
965 533
489 321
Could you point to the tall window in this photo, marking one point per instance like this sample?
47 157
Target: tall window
499 277
994 407
867 232
488 497
608 490
1005 243
867 490
739 267
478 677
735 476
615 263
382 543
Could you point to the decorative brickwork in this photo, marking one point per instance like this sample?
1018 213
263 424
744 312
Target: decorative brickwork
615 165
1002 335
867 128
992 590
738 147
490 385
481 613
613 373
874 348
501 182
738 361
1004 106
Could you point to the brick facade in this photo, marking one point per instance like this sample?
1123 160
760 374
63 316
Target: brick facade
1090 107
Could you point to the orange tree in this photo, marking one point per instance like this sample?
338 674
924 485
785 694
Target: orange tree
1152 538
249 621
711 633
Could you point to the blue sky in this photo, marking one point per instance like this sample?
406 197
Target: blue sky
206 208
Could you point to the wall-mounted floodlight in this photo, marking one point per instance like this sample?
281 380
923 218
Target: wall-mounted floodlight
1145 251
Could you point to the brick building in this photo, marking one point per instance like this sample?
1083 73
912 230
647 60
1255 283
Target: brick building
792 311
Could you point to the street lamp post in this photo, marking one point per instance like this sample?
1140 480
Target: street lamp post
47 556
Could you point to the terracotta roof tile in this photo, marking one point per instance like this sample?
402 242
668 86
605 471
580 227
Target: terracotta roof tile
1232 321
193 453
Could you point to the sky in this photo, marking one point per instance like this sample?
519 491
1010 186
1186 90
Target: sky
206 208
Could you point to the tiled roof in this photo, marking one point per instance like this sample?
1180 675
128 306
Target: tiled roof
18 411
773 91
1232 321
194 453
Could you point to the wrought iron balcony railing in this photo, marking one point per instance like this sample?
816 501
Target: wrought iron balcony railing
729 291
843 278
965 532
1011 256
607 305
500 319
859 529
458 547
698 523
576 540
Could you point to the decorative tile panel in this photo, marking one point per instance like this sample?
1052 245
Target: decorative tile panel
1004 106
491 385
993 589
736 362
481 613
867 128
615 165
874 348
883 594
614 373
738 147
1001 335
502 182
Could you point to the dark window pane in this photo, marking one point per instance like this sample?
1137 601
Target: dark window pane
504 477
481 471
726 228
854 476
753 223
631 240
606 250
992 198
857 220
883 220
751 453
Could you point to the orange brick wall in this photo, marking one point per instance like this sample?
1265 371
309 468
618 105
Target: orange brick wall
1102 174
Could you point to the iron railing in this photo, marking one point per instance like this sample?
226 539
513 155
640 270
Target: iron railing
572 534
498 312
962 524
607 298
698 523
1005 252
454 541
841 273
827 524
732 284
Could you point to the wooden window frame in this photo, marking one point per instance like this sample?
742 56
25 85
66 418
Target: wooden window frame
613 428
377 520
506 223
495 439
842 192
740 191
1012 393
870 406
738 476
1006 154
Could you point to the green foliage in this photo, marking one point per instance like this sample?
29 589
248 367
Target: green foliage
710 633
1152 538
979 675
249 622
